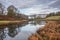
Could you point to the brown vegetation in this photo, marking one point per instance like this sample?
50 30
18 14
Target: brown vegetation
51 31
5 17
12 18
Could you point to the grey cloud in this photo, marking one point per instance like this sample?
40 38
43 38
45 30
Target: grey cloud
44 1
19 3
37 6
56 4
25 3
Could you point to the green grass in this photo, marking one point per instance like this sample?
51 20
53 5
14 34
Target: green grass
53 18
6 22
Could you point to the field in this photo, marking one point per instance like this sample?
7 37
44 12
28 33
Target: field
53 18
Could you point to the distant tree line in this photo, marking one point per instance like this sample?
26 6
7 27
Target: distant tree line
12 12
53 14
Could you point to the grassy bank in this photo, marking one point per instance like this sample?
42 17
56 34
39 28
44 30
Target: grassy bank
10 22
53 18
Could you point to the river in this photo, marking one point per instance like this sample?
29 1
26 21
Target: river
21 31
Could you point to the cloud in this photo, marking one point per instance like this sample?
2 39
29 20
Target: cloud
56 4
29 7
39 9
19 3
52 2
25 3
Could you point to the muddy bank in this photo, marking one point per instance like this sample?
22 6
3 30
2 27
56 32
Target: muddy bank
51 31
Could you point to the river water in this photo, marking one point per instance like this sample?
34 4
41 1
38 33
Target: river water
21 31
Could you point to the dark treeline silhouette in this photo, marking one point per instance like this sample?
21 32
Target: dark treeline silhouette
11 14
53 14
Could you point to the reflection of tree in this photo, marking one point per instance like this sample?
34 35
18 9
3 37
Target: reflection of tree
12 29
12 32
2 34
37 22
23 24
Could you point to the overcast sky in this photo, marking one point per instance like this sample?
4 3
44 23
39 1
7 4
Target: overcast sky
30 7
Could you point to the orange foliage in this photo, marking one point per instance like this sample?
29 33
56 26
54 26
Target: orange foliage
51 31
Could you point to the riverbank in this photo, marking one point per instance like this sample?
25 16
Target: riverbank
11 22
53 18
51 31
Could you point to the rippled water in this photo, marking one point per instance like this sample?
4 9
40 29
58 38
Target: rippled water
21 31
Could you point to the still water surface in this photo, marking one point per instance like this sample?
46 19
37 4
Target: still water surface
21 31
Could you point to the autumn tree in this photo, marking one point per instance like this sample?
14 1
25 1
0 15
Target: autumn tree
11 10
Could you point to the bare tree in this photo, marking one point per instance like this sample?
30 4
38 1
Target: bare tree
1 9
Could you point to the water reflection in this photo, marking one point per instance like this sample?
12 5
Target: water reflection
12 29
23 29
37 22
2 34
12 32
